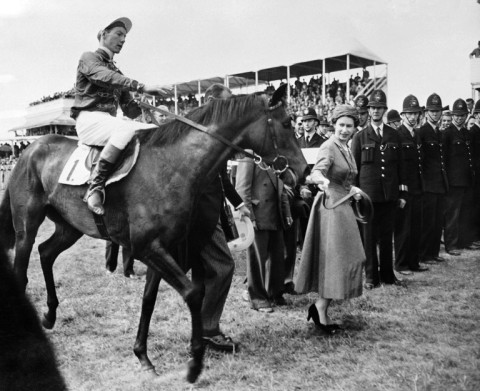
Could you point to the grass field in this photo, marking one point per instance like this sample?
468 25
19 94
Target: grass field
423 337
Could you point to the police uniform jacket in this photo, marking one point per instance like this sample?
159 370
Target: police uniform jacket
100 86
475 133
413 159
434 169
314 142
459 156
380 164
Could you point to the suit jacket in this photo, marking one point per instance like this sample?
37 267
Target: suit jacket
459 156
209 207
381 171
263 193
434 168
413 159
315 141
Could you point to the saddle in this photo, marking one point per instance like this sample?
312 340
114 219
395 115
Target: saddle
79 167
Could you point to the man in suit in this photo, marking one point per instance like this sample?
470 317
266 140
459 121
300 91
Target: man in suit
408 220
264 195
381 174
461 177
207 244
435 181
310 139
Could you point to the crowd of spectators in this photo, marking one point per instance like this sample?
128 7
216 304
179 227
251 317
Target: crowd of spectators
56 95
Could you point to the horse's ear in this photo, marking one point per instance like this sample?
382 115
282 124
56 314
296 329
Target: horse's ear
280 94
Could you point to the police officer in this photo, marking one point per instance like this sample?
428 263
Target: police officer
393 119
381 174
475 132
435 181
461 175
361 103
408 220
311 138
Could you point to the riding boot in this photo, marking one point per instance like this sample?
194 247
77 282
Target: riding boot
95 196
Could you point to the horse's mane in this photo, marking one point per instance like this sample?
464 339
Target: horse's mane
230 113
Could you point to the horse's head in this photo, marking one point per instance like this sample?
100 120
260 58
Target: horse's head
272 137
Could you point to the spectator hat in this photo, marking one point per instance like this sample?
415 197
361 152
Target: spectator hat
476 109
459 107
323 121
345 111
393 116
411 105
120 22
377 99
434 102
361 103
310 113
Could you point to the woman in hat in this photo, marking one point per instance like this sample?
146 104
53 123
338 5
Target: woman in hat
100 87
333 256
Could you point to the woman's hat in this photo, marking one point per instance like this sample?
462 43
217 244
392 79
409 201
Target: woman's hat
245 231
345 111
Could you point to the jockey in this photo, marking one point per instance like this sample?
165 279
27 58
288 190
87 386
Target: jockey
100 87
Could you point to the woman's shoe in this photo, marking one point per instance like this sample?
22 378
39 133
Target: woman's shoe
313 314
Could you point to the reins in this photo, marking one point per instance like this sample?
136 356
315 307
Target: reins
360 200
280 161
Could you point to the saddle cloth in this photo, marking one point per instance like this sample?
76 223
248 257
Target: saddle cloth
79 166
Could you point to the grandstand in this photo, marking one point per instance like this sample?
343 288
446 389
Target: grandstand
341 69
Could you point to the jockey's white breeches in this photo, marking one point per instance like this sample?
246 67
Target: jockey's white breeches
97 128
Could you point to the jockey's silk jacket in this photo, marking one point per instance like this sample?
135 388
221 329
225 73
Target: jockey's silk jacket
100 86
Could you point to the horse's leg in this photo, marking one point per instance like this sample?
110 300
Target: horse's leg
27 219
63 238
163 263
148 304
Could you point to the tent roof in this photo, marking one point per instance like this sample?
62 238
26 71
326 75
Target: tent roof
191 87
333 51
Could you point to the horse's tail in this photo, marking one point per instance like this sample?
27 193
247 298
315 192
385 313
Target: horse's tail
7 231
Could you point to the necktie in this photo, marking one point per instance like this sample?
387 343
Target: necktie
308 139
379 134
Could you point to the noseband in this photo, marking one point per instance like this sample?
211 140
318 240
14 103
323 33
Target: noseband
279 164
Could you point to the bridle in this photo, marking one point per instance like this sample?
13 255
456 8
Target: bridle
279 164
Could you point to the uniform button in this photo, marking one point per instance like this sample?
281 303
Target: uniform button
383 175
382 153
383 168
383 160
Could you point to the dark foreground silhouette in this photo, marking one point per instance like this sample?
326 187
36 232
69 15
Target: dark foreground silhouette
27 359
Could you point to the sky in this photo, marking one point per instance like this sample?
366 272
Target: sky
425 42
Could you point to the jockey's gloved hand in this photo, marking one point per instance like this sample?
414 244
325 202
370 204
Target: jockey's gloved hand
154 89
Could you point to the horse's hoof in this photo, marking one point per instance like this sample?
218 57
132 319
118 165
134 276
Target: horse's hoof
194 370
46 323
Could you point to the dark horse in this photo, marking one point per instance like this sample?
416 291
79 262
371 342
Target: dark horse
148 211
